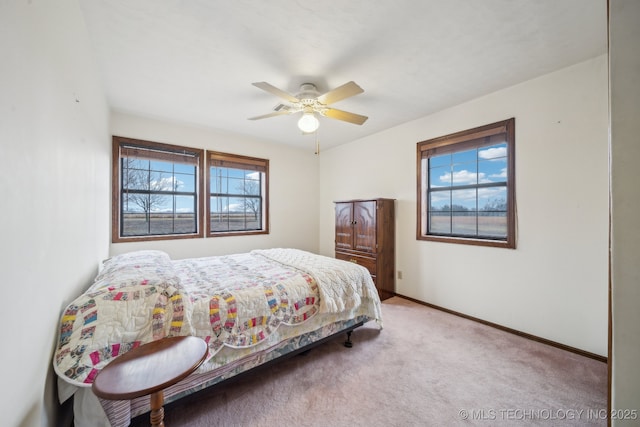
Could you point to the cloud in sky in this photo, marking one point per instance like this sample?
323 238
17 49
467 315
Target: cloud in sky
463 177
493 153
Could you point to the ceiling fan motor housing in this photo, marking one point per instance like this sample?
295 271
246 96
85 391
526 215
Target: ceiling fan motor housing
307 91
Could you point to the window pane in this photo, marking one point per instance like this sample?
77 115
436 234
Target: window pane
161 223
441 160
236 173
440 176
493 170
161 166
135 163
184 168
440 200
252 184
135 202
134 217
219 214
440 222
252 188
185 204
467 156
218 180
185 223
463 200
135 179
236 185
185 182
162 181
160 203
253 211
236 205
492 199
135 224
492 224
464 223
236 214
219 205
465 174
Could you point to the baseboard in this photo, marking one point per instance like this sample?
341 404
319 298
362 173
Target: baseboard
512 331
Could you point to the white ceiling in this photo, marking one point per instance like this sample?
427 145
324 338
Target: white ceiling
193 61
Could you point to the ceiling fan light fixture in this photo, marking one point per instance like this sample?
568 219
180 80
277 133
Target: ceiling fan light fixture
308 123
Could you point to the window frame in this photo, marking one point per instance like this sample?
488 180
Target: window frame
168 150
461 141
236 161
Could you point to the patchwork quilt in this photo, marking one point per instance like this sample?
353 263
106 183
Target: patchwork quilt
235 301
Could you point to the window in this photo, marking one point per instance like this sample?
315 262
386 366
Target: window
156 191
466 186
238 195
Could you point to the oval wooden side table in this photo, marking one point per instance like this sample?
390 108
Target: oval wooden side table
149 369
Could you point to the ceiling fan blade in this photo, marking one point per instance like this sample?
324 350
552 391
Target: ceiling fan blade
345 116
275 113
275 91
339 93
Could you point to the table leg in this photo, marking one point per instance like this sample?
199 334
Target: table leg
157 411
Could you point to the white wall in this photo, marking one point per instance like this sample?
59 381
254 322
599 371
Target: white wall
55 150
624 66
554 285
293 188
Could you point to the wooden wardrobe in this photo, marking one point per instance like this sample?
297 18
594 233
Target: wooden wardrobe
365 234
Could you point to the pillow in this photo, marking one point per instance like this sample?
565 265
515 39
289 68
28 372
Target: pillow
147 267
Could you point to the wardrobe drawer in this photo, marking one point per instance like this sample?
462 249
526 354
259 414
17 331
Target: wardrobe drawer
368 263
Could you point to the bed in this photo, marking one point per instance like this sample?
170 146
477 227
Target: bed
250 308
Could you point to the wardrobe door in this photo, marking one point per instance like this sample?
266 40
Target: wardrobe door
344 225
364 224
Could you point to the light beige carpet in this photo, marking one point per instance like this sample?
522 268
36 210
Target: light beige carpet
425 368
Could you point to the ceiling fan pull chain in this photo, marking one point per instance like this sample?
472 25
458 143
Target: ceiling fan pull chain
317 153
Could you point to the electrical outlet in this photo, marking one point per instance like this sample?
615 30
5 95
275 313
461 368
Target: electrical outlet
399 275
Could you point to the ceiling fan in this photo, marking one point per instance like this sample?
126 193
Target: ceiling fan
309 101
